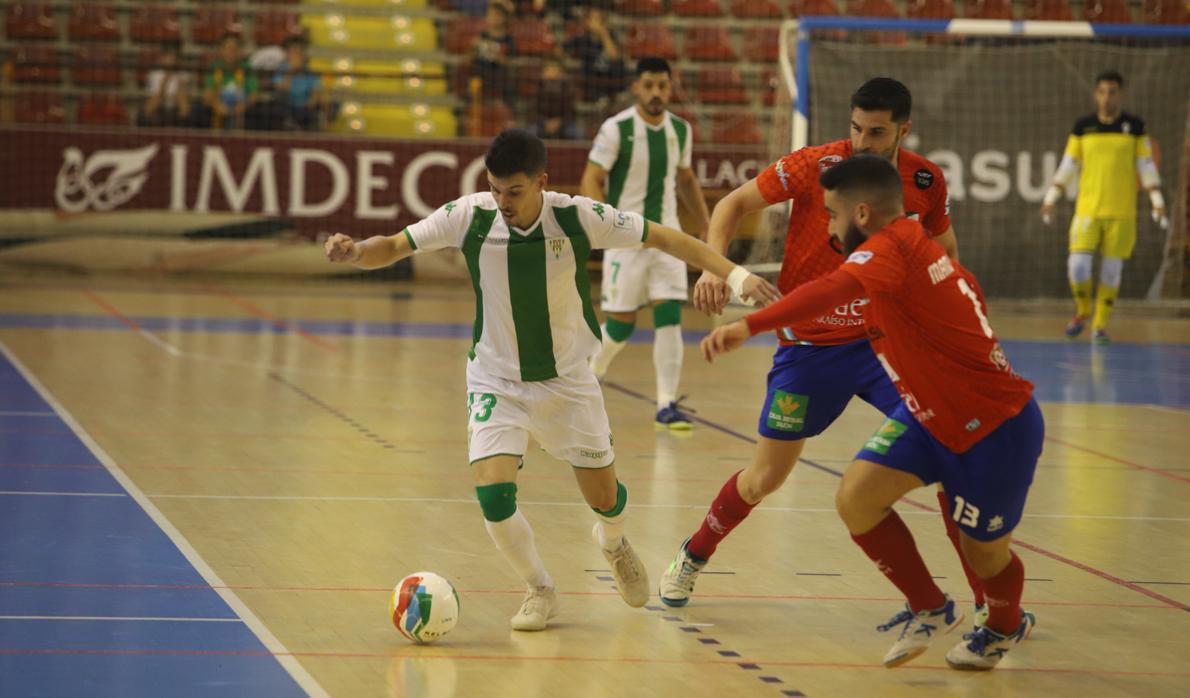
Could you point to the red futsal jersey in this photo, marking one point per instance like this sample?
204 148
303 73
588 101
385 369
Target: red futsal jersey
811 251
927 322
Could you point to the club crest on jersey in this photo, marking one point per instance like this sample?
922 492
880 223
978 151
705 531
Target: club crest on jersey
828 161
999 358
924 179
556 246
860 257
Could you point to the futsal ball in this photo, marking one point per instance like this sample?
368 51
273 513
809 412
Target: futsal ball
424 607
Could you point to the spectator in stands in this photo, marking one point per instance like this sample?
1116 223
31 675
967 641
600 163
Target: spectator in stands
602 58
491 52
169 89
554 106
231 87
299 90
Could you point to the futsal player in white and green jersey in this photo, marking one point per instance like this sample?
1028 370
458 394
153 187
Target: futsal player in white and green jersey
528 372
640 162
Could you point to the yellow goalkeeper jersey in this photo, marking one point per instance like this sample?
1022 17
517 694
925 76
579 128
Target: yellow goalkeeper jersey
1106 154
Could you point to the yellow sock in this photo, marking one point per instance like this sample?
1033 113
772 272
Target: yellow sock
1082 297
1105 301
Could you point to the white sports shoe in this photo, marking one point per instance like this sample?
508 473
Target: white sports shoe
919 630
540 604
632 580
983 649
677 584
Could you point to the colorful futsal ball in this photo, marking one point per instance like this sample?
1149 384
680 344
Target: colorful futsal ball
424 607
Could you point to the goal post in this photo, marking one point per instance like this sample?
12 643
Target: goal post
993 103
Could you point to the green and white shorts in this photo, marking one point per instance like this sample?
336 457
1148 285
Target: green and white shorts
565 415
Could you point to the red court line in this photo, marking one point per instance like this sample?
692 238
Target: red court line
518 592
266 315
433 654
1130 464
112 310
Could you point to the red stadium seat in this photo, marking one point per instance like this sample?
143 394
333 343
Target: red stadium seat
488 119
1052 10
769 84
990 9
650 40
762 44
736 128
697 8
36 64
929 9
38 108
692 119
756 9
878 8
93 22
640 8
711 43
31 20
721 86
153 24
459 35
828 8
1107 11
533 37
97 65
271 27
209 25
1164 12
102 109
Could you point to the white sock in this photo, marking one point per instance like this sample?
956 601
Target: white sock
667 361
601 361
514 539
611 529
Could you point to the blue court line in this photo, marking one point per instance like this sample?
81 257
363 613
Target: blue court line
75 539
1063 371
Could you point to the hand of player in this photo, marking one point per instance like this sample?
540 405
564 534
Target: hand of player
759 292
711 294
1047 214
724 339
1160 218
341 248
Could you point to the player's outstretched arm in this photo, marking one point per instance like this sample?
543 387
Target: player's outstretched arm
710 292
373 253
697 253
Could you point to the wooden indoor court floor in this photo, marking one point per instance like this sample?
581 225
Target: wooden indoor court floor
211 489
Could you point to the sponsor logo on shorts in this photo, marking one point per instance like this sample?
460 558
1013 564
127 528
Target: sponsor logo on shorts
593 455
973 425
995 524
885 437
788 411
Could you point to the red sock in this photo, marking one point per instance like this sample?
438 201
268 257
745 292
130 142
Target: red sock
727 511
891 547
1004 597
952 532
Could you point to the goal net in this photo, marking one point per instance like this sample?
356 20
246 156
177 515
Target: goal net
993 103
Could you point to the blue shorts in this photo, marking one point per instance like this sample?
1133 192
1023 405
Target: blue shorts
987 484
809 387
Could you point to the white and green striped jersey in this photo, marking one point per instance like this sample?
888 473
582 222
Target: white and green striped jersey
642 162
533 314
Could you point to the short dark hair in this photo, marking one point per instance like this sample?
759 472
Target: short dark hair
230 35
884 94
515 151
1110 76
869 176
653 64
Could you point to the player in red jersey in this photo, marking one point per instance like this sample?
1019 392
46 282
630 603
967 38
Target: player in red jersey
967 420
825 361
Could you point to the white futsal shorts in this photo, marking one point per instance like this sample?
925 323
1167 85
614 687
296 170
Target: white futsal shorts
564 415
636 276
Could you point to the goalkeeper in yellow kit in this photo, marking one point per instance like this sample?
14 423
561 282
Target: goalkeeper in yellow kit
1106 152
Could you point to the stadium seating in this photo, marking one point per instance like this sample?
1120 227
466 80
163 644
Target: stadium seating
155 23
273 27
990 9
1052 10
1164 12
30 20
721 86
697 8
650 40
1107 11
460 33
93 22
640 8
929 9
756 9
97 65
102 109
38 108
709 43
210 24
736 128
762 44
533 37
36 64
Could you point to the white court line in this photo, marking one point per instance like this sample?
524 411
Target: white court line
460 500
19 413
1170 410
131 618
303 678
20 493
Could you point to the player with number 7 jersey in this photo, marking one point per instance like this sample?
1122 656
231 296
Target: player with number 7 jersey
967 420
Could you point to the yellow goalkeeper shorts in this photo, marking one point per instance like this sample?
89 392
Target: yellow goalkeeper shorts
1110 237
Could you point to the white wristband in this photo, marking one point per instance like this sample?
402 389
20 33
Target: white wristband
735 281
1052 195
1156 199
